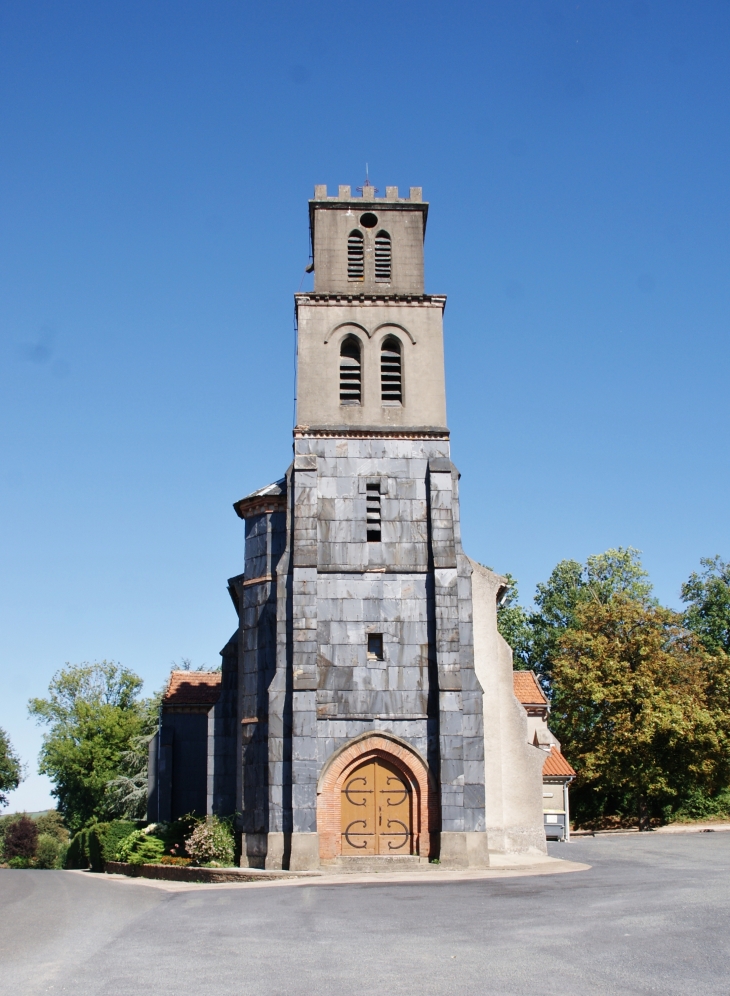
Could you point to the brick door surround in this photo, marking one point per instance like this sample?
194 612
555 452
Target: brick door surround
405 759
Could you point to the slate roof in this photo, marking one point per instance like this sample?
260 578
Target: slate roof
268 499
527 689
277 488
192 688
556 766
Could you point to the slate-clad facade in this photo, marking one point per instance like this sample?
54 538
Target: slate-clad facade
315 588
357 609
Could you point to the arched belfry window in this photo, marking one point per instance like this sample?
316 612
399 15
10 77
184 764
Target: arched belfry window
391 372
355 256
383 256
350 371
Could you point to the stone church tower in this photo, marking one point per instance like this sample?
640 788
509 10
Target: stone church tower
372 694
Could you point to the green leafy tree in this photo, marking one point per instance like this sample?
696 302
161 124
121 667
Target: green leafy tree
11 770
707 596
92 713
534 635
640 706
513 622
126 795
604 575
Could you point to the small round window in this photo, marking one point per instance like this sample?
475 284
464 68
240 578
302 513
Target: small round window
368 220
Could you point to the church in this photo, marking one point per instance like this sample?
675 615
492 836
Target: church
365 708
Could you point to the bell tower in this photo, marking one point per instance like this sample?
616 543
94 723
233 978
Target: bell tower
370 347
366 708
381 639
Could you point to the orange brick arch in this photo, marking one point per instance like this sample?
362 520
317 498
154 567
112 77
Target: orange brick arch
407 760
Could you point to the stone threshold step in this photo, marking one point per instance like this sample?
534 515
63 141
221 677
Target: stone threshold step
377 863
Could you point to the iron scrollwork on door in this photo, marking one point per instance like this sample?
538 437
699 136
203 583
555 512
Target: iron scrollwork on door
389 792
405 834
349 826
349 788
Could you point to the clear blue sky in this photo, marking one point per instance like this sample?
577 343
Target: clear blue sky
155 164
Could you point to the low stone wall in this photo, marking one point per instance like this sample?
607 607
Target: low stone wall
187 873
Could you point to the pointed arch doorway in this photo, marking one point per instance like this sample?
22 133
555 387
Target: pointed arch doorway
376 797
376 810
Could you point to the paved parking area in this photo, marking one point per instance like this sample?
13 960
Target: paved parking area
652 915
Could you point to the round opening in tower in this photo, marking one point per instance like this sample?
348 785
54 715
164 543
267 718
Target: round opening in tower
368 220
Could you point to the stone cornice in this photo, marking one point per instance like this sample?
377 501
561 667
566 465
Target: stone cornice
247 508
372 300
369 432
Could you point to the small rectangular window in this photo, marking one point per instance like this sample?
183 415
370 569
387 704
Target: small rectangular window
373 513
375 646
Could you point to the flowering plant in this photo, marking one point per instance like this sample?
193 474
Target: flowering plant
211 842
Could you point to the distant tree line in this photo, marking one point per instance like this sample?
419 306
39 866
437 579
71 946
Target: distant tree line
639 693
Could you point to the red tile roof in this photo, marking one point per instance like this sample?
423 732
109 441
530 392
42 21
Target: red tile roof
192 688
556 765
527 688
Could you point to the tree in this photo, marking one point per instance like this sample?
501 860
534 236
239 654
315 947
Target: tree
534 635
127 792
11 770
92 713
513 623
638 704
707 596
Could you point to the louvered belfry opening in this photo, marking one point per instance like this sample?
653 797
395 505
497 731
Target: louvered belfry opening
350 372
355 256
382 256
391 373
373 513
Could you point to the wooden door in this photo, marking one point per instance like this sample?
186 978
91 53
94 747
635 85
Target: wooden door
376 811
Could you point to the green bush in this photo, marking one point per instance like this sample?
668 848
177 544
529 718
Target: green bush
52 823
49 852
19 862
93 847
113 835
85 850
141 848
76 853
699 806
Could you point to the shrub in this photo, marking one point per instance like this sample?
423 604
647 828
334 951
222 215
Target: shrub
21 838
211 841
19 862
52 823
5 823
76 853
141 848
700 806
115 832
84 851
49 852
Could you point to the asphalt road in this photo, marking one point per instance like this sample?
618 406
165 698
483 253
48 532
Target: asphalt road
651 916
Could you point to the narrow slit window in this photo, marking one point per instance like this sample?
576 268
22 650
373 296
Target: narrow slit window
382 257
375 646
373 513
350 372
355 256
391 372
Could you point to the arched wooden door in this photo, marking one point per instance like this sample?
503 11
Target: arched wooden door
377 810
